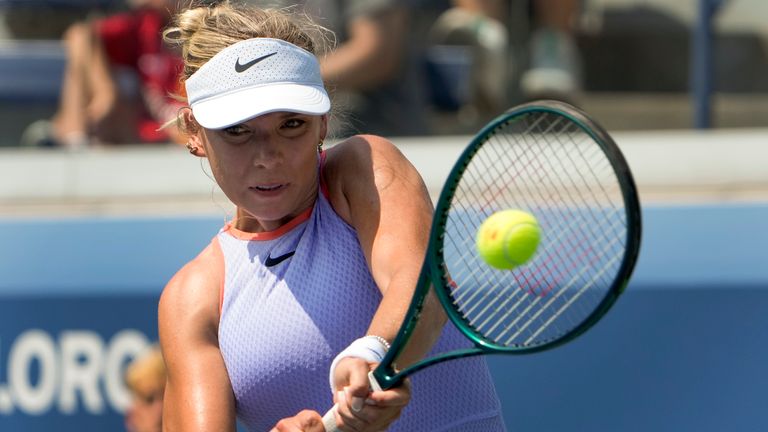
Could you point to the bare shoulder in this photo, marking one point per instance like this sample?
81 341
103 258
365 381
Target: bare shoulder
353 153
365 165
375 188
198 393
192 295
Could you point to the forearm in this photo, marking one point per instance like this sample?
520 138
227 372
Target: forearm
556 14
198 396
198 393
188 411
392 211
371 56
389 318
405 250
354 66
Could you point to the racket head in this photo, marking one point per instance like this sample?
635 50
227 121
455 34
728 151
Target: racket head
552 160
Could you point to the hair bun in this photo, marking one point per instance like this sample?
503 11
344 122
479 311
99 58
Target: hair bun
188 22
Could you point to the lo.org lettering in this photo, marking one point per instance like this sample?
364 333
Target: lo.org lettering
72 371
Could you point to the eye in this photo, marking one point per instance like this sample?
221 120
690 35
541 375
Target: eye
235 131
294 122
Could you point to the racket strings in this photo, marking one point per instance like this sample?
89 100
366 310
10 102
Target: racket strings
559 230
549 166
553 315
585 230
501 180
533 311
563 163
597 160
558 148
555 197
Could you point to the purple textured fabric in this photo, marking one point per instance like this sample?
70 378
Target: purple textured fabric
283 323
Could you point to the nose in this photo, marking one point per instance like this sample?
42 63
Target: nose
267 153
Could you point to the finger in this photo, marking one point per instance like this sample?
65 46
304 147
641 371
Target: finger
311 421
304 421
356 403
357 385
375 418
344 370
370 418
286 425
346 420
396 397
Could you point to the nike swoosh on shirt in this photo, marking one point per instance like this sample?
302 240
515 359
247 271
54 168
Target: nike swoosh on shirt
270 262
240 68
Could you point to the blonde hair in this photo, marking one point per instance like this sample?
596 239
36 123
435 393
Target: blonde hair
146 372
203 31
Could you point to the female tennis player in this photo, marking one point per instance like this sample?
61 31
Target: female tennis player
317 268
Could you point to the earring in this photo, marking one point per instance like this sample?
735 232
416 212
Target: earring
192 148
320 146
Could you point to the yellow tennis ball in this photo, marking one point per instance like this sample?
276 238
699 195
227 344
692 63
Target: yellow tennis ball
508 238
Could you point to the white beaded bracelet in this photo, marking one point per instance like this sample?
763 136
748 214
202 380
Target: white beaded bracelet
382 340
369 348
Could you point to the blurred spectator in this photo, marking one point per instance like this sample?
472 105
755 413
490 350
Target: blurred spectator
373 68
48 19
117 82
467 61
555 62
145 379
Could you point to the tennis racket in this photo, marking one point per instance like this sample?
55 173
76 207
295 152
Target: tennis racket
552 160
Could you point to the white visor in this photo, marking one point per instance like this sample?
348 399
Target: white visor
255 77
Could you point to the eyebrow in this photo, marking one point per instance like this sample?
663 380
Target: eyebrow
284 114
281 115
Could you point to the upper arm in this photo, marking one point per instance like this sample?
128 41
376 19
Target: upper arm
198 393
387 203
384 198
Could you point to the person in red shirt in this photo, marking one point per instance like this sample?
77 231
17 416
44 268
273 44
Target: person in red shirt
118 82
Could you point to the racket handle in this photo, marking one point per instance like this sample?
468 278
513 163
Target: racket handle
329 419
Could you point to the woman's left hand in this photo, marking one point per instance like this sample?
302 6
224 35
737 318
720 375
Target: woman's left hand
358 408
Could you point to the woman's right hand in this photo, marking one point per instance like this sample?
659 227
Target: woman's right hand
305 421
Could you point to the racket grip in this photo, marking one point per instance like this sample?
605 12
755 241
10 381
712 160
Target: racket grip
329 419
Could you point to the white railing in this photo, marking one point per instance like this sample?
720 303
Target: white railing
718 164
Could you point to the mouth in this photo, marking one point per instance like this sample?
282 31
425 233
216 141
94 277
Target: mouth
272 187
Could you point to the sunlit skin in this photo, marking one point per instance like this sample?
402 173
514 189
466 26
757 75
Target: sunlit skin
267 166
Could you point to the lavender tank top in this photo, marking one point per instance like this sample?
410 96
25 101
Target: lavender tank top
293 298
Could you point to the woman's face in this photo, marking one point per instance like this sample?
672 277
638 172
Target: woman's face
267 166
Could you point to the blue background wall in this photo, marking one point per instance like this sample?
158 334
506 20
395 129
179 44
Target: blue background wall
684 349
